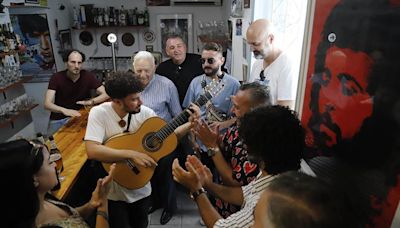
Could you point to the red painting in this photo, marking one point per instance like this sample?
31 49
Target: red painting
351 106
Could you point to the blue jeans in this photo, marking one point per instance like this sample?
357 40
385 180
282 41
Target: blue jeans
54 125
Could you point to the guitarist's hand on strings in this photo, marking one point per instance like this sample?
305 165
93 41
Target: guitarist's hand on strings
194 112
143 159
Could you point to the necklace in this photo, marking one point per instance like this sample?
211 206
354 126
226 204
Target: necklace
122 123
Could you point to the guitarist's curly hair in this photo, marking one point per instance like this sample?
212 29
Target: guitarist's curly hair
121 84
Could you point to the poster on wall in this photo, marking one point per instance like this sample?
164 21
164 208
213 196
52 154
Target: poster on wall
37 58
180 24
351 102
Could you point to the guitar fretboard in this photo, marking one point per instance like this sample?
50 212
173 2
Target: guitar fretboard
182 118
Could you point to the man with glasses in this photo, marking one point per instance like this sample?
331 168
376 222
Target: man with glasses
273 67
182 67
217 111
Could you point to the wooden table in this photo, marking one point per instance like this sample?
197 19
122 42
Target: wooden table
69 140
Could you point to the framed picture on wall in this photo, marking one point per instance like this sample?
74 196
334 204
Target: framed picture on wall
246 4
65 39
180 24
37 59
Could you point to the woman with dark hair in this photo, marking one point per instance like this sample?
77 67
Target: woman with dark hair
28 170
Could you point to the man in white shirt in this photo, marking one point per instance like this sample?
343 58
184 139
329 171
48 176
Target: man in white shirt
125 112
273 67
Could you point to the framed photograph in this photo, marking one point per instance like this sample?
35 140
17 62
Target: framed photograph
246 3
37 59
32 1
149 48
157 2
65 39
245 49
180 24
244 72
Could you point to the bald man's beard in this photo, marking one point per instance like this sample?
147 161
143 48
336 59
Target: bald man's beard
263 53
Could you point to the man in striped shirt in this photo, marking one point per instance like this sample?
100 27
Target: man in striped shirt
274 139
161 95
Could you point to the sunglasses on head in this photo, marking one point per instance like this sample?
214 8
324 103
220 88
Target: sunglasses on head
209 60
35 148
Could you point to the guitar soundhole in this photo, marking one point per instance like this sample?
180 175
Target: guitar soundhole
151 142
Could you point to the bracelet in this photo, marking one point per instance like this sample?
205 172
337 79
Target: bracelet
102 214
196 194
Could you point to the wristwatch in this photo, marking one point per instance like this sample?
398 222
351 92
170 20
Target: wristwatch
212 150
196 194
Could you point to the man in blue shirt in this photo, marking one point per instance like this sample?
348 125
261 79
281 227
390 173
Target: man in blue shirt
161 95
217 111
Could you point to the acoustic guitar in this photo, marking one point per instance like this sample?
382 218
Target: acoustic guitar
155 138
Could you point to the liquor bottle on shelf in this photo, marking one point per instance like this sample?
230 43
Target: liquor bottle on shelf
140 18
111 16
122 16
146 17
134 16
106 13
76 22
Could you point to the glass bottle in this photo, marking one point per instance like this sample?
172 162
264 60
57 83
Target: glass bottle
146 17
40 137
140 18
56 155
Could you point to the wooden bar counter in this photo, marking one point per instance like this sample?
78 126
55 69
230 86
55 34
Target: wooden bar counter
69 140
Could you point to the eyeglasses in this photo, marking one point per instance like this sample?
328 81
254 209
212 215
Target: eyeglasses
35 148
209 60
262 76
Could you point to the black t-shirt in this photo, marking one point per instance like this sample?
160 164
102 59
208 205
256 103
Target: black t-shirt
181 75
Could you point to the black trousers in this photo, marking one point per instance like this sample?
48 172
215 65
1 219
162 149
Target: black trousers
129 215
163 194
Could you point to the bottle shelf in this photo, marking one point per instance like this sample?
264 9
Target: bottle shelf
27 6
12 118
113 27
19 82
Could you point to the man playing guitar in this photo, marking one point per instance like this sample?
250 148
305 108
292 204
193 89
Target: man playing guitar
125 113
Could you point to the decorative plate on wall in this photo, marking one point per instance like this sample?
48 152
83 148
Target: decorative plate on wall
128 39
149 36
86 38
104 40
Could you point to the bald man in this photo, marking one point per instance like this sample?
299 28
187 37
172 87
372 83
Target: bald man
272 67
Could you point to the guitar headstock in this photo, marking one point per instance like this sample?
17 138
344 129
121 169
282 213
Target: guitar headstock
210 91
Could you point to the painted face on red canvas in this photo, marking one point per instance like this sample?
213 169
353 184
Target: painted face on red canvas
343 101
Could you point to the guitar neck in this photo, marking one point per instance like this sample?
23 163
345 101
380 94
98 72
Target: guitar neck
182 118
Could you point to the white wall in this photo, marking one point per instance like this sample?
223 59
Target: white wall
241 61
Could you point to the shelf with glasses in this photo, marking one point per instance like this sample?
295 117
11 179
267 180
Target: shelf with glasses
14 6
4 121
14 84
113 27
